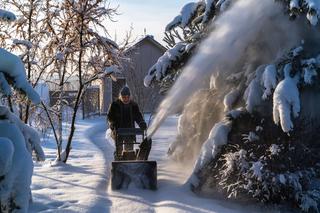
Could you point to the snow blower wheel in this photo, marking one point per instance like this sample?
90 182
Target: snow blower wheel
132 165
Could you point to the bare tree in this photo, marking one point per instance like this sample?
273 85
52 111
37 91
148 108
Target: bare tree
29 36
90 51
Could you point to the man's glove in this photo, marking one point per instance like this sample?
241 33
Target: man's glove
143 125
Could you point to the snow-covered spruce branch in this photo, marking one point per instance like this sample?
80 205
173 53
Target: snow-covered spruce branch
18 141
188 28
211 147
286 101
31 136
283 84
309 8
166 62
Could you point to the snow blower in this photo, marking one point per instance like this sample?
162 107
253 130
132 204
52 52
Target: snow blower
131 165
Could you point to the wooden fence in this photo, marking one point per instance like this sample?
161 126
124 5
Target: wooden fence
90 103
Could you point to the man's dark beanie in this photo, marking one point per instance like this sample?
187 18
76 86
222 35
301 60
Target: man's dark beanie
125 91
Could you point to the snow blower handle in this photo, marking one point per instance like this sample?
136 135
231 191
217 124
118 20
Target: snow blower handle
145 147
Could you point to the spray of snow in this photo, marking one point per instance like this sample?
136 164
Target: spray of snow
235 30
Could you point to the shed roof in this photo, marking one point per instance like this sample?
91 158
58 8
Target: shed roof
149 38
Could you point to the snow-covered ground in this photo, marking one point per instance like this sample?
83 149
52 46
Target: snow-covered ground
82 185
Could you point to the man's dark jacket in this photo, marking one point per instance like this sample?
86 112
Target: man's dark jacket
122 115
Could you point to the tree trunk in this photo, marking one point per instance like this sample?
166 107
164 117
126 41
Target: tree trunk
79 94
72 128
26 117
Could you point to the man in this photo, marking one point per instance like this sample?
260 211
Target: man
123 113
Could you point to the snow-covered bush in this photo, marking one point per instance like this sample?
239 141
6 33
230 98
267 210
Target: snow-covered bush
270 169
16 175
17 140
270 153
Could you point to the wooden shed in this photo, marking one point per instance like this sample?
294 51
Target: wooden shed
139 59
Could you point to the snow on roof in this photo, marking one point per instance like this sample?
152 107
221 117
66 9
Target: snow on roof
148 38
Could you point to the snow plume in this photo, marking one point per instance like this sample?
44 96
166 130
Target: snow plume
238 36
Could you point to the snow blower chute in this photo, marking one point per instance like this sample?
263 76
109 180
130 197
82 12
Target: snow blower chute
131 165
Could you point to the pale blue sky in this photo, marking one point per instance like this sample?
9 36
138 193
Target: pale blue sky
150 14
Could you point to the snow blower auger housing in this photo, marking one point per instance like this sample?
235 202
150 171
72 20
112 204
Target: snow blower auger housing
131 165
